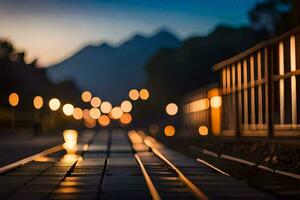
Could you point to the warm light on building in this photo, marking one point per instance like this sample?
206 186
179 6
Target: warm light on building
54 104
216 102
104 120
86 96
199 105
38 102
95 113
68 109
203 130
171 109
78 114
126 118
126 106
116 113
134 94
13 99
169 130
95 102
106 107
70 137
144 94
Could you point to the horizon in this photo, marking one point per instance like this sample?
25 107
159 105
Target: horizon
53 30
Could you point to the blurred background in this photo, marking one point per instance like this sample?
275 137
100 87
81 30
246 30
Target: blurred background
61 48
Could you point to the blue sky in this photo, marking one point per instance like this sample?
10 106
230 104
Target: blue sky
52 30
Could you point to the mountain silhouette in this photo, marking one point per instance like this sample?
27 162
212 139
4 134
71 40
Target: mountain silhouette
110 72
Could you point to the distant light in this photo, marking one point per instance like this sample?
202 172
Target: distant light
216 102
86 114
38 102
70 137
171 109
169 130
54 104
116 112
68 109
95 102
126 106
144 94
154 128
126 118
90 123
13 99
104 120
78 114
203 130
134 94
86 96
95 113
105 107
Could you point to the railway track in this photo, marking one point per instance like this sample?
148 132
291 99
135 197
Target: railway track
116 165
283 184
187 181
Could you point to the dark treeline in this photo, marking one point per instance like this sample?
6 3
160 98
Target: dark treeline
174 72
28 81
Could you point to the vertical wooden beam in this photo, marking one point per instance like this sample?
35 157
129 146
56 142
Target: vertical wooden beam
252 92
270 64
259 75
281 83
293 80
239 89
245 88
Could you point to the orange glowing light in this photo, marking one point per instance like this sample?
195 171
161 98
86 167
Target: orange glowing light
95 102
70 137
104 120
68 109
126 106
54 104
134 94
95 113
216 102
144 94
86 114
169 130
13 99
38 102
171 109
203 130
126 118
90 123
86 96
116 112
105 107
78 114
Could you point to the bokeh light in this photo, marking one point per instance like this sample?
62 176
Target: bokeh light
126 118
216 102
203 130
116 112
104 120
68 109
90 123
70 137
144 94
86 96
171 109
38 102
86 114
78 114
54 104
126 106
154 128
13 99
95 102
95 113
106 107
134 94
169 130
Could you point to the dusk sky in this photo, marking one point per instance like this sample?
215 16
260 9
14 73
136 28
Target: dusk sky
52 30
